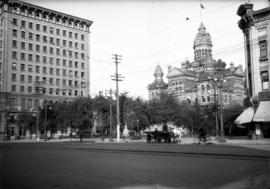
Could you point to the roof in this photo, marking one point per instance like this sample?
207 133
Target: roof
181 72
158 84
158 71
202 37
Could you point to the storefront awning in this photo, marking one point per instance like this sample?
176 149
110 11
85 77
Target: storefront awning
263 112
245 117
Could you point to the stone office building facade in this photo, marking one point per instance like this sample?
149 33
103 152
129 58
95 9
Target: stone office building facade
43 57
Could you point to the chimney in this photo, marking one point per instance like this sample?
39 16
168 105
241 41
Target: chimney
232 66
169 68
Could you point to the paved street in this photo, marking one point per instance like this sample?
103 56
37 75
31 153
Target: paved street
126 165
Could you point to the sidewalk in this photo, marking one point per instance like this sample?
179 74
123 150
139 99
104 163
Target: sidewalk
258 144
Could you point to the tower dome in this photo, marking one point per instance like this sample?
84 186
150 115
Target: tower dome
158 73
202 44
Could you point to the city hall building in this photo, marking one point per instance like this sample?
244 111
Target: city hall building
43 58
202 80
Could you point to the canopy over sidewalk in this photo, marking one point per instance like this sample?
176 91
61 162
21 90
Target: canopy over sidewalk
245 117
263 112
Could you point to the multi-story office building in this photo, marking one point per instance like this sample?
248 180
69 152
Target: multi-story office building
255 25
43 56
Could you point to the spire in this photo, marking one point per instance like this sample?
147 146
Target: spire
202 28
158 72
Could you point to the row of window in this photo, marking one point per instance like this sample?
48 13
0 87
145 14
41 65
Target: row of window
31 56
46 39
44 28
51 60
51 91
44 71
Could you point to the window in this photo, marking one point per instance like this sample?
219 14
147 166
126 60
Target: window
51 90
14 66
51 71
51 81
30 68
14 55
70 44
44 28
208 87
58 51
30 79
70 54
64 62
70 73
13 88
82 65
76 55
14 33
265 80
37 27
51 30
37 37
64 72
70 34
23 34
64 82
14 21
76 45
76 64
23 24
263 49
57 71
22 78
76 35
64 43
44 39
37 58
44 70
57 81
70 64
58 42
30 47
51 40
37 69
208 98
82 46
37 48
202 87
44 59
30 36
23 67
58 31
64 53
58 62
30 58
14 77
30 24
14 44
29 89
51 50
22 89
44 49
203 99
23 56
82 37
64 33
51 60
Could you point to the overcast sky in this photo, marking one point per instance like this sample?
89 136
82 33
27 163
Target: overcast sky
147 33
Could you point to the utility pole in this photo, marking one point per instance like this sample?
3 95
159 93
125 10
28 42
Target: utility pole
117 77
110 97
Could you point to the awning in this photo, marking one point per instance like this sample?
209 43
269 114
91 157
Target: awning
263 112
245 117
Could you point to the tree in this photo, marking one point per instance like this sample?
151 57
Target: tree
26 121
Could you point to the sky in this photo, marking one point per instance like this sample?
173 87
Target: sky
151 32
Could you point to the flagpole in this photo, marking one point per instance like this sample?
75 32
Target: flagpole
201 9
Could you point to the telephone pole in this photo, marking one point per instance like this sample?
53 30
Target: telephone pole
117 77
110 98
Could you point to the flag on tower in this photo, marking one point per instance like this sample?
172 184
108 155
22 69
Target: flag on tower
202 6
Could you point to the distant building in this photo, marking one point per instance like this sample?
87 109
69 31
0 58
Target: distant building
43 57
256 29
198 81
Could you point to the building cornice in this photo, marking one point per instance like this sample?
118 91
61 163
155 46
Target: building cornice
34 9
